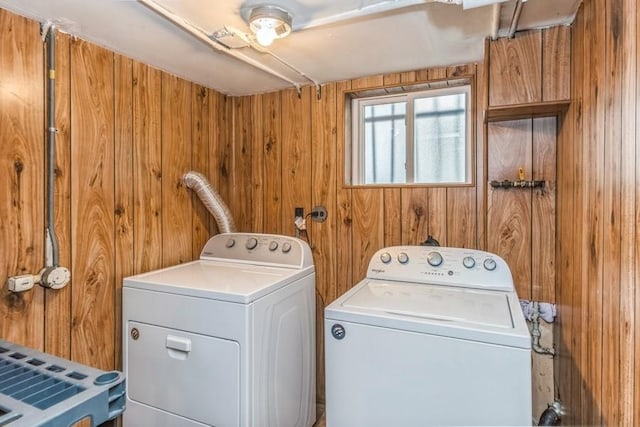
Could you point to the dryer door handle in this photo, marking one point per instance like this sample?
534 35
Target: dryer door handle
178 343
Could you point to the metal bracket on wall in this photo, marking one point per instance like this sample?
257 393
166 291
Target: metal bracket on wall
517 184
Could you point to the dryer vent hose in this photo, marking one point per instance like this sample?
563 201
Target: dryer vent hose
211 200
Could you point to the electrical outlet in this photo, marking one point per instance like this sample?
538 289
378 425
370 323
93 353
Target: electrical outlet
20 283
319 214
299 213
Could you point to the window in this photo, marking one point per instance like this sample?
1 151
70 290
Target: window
419 137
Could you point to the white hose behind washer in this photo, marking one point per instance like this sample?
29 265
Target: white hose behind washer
211 200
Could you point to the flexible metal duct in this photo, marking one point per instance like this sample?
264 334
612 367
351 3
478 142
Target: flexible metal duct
211 200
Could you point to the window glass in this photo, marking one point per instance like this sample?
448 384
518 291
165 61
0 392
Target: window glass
419 137
385 143
440 139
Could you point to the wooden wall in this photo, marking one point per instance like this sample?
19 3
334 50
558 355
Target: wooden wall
127 133
598 218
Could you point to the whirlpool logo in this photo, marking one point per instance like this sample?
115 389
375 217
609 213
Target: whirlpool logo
377 270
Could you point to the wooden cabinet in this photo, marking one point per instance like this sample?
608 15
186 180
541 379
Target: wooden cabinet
515 69
529 75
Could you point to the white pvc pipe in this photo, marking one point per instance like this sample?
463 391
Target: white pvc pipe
495 20
383 6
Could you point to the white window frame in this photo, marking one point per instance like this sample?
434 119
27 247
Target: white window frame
357 174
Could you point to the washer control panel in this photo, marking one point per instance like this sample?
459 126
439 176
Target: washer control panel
441 265
255 248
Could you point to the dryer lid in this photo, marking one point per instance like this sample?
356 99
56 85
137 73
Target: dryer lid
476 314
225 281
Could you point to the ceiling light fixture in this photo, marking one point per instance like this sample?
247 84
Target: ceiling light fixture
269 23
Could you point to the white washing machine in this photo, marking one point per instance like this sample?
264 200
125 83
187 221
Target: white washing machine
227 340
431 337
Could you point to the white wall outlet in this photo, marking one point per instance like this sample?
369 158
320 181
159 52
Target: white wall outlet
20 283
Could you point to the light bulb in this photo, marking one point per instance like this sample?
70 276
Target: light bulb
265 36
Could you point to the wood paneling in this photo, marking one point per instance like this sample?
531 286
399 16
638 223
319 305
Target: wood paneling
176 160
296 164
629 387
598 219
509 210
240 192
556 61
272 154
515 69
343 200
92 206
257 166
529 75
21 188
415 215
147 178
323 189
543 210
200 124
217 138
367 214
123 177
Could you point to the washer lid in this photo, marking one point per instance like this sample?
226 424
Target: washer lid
226 281
474 314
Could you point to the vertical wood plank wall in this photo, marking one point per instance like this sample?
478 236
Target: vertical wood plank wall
22 182
598 192
127 133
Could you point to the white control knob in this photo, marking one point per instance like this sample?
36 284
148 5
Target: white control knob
469 262
273 246
403 258
434 259
230 243
252 242
385 257
286 247
490 264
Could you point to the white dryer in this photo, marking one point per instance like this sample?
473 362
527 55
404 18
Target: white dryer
225 341
431 337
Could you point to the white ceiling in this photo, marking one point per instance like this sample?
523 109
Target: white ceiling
404 35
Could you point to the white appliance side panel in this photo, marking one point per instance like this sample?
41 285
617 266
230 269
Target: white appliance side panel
139 415
378 377
185 374
284 361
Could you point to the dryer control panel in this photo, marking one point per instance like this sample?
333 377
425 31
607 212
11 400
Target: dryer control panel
441 265
256 248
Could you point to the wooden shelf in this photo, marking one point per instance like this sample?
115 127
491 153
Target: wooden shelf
525 111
